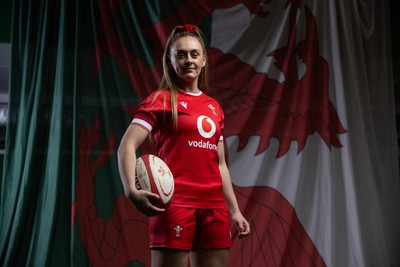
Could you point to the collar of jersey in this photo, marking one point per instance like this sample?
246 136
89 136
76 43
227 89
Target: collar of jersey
194 94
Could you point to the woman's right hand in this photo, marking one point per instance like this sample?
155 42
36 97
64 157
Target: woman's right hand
143 201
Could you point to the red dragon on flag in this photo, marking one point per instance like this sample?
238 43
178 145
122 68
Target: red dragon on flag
254 105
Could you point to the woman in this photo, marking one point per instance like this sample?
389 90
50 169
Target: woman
186 126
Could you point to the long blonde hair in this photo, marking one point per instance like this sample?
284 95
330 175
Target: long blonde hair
170 80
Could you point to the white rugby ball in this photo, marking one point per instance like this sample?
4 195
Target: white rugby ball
153 175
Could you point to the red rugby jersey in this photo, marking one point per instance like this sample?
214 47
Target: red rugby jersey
190 152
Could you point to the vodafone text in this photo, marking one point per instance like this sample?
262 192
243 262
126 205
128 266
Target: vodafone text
202 144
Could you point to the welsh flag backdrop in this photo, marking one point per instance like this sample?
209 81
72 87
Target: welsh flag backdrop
307 90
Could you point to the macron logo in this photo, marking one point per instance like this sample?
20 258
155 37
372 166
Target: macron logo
184 104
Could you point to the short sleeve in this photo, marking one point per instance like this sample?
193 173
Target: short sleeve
151 110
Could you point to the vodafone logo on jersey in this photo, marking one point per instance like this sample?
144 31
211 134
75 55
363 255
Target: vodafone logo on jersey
207 129
206 126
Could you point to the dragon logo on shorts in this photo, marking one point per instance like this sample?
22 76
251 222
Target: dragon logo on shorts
178 229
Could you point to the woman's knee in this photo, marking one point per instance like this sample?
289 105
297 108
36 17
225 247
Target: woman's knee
209 257
164 257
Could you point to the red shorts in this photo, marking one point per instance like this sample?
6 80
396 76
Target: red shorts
191 229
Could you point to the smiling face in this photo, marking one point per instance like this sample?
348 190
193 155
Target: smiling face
187 59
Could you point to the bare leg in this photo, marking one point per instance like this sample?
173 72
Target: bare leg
209 258
169 257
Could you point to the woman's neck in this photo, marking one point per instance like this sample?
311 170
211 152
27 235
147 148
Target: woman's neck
189 88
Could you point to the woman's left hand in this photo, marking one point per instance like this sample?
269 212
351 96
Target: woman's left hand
242 226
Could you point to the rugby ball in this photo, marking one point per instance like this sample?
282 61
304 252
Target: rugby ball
153 174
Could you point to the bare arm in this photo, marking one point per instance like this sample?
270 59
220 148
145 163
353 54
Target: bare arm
230 198
130 142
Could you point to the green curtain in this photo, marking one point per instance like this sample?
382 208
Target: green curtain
36 184
56 97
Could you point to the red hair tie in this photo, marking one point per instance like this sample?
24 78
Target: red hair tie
186 28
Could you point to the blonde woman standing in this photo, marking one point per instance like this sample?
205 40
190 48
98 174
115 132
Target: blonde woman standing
186 125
